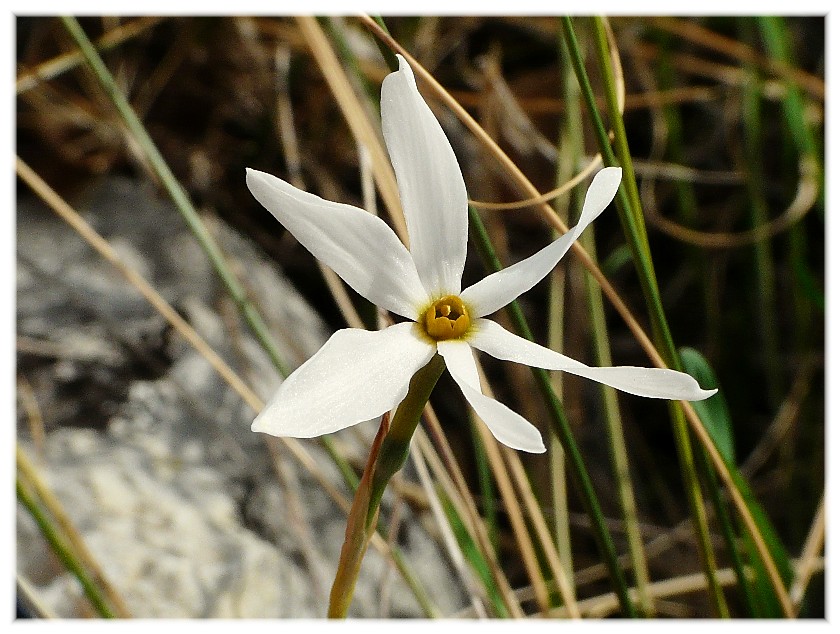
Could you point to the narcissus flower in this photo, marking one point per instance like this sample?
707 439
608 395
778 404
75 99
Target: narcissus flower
359 375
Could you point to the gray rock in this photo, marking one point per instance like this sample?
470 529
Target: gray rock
174 495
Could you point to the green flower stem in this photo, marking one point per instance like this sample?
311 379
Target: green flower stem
561 428
64 552
395 447
357 535
633 224
388 455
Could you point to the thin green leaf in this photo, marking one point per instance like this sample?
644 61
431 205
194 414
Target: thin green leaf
713 412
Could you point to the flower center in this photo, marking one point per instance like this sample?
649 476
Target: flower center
446 319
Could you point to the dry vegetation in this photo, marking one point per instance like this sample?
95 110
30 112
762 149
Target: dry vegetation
725 129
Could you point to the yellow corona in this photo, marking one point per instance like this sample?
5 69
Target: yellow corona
447 318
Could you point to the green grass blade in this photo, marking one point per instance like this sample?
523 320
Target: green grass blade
64 552
776 38
472 554
571 146
632 223
763 587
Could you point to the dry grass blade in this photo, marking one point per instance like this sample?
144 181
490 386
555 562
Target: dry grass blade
285 123
784 420
33 413
569 185
520 530
602 606
634 101
357 119
450 542
660 170
27 595
562 580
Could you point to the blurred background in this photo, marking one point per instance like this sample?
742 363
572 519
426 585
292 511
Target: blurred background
148 453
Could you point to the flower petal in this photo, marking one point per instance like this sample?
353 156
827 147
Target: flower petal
501 288
356 376
432 190
507 426
360 247
491 338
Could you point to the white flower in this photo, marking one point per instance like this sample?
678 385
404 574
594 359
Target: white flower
358 375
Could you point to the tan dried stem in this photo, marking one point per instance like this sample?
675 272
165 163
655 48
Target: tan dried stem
514 514
464 499
450 542
33 413
809 561
356 117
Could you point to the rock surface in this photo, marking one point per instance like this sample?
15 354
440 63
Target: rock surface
151 454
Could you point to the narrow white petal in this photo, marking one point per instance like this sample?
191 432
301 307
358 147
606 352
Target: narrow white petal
360 247
432 190
501 288
508 427
356 376
491 338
